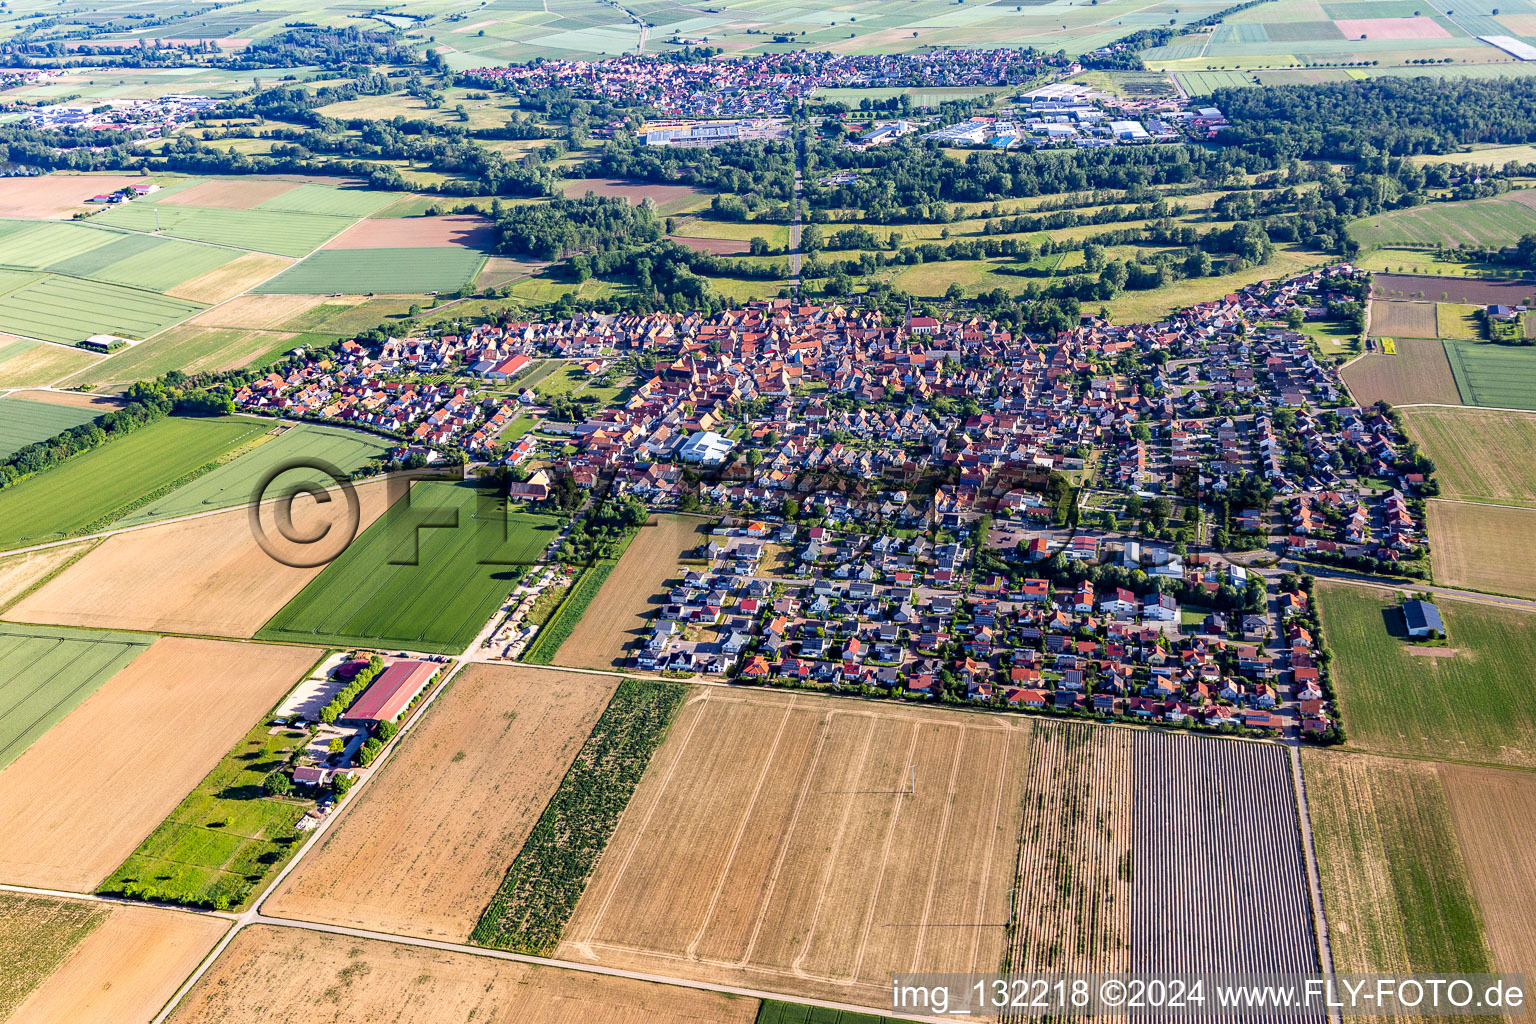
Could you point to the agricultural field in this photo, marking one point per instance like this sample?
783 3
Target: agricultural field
90 488
1403 319
424 846
1457 320
469 231
1492 811
1421 263
1217 820
24 422
20 573
399 270
68 960
1495 221
25 363
153 731
191 350
273 231
55 196
1395 885
1471 546
269 973
1500 376
207 576
1452 289
240 274
561 621
47 673
627 601
1472 448
68 310
143 261
669 199
1417 373
428 589
1467 705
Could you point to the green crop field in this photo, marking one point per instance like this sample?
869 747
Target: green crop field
46 673
1499 376
460 575
364 271
43 242
1497 220
330 201
23 422
160 266
234 481
227 837
91 487
69 310
1473 705
772 1011
274 231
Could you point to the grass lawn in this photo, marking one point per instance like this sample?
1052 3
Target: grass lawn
46 673
1472 706
403 584
227 837
89 488
1501 376
516 429
1332 337
23 422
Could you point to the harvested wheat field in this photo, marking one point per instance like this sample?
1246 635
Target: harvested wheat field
56 196
1403 319
206 575
124 969
424 848
73 399
1471 546
1418 373
258 312
417 233
20 573
231 193
233 278
283 974
84 795
1495 817
776 842
620 613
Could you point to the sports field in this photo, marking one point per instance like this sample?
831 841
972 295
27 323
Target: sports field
1473 452
1417 372
1467 706
89 488
68 310
262 230
23 422
46 673
1473 546
1495 221
369 271
406 584
1501 376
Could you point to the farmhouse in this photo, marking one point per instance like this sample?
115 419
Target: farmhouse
1422 618
390 694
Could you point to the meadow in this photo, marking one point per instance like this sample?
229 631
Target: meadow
404 583
1471 451
69 309
23 422
1501 376
90 487
1469 706
46 673
379 271
1496 221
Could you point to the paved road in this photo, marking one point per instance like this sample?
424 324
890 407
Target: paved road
1415 587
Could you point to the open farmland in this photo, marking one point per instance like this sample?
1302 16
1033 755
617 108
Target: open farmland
153 730
46 673
467 230
24 422
37 935
26 363
269 974
68 310
55 196
188 349
813 866
241 193
262 230
1494 812
231 279
1215 821
1452 289
328 200
125 963
1418 372
402 270
1501 376
431 589
669 199
20 573
1403 319
1472 449
145 261
1394 884
626 603
422 849
1469 706
206 576
1495 221
1471 546
90 487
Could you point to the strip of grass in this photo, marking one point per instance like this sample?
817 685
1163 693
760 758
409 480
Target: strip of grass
544 883
558 630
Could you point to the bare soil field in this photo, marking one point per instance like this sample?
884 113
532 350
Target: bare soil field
231 193
1450 289
1495 816
233 278
718 246
207 575
1396 319
151 732
1418 373
776 841
283 974
20 573
1391 28
261 312
125 970
55 196
417 233
623 608
425 846
1471 545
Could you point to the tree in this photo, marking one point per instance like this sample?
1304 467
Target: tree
337 745
277 784
790 509
1133 507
